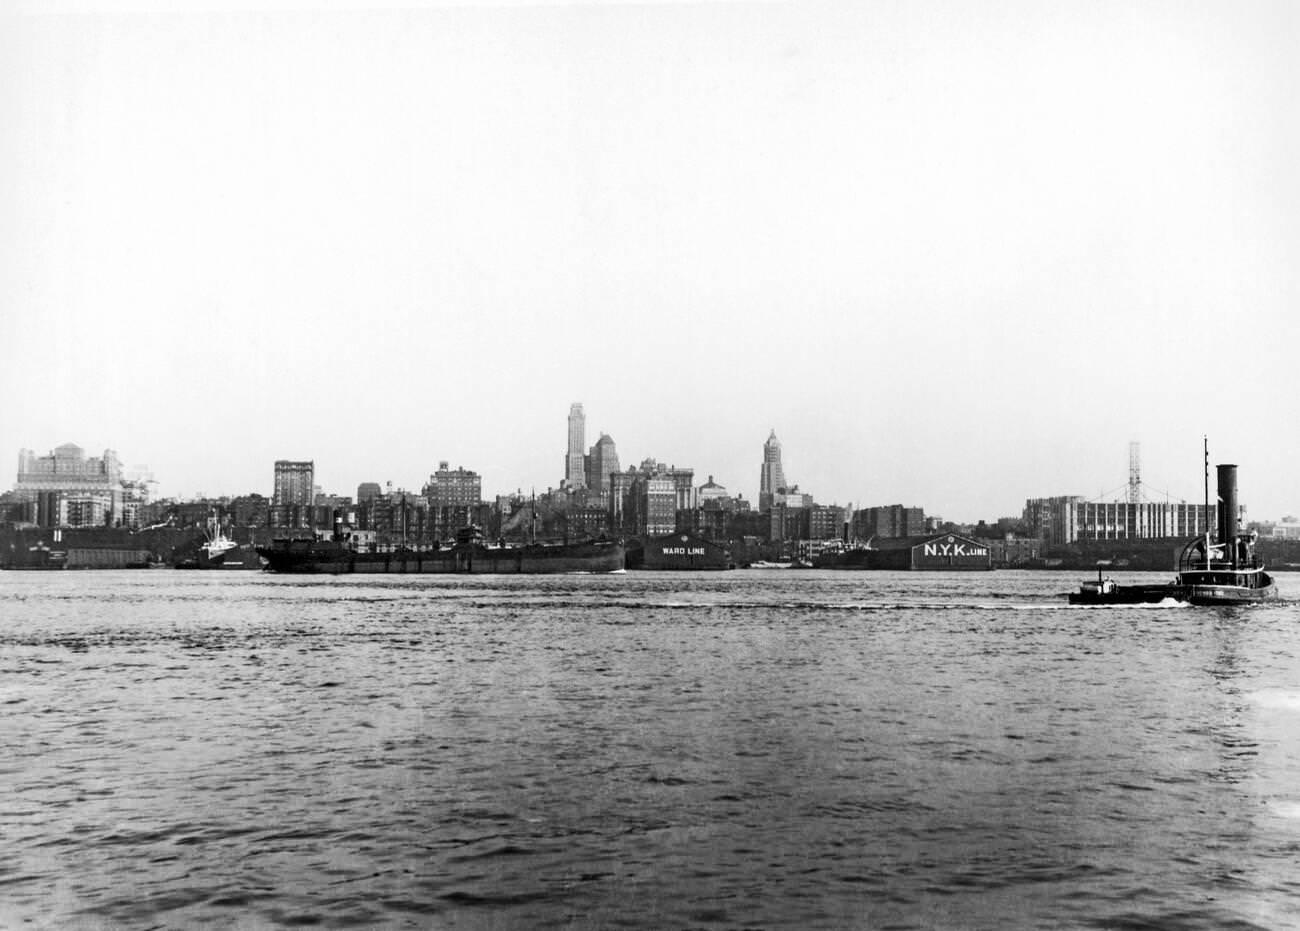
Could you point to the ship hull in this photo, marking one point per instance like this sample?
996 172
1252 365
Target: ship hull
242 557
1094 594
1228 595
305 557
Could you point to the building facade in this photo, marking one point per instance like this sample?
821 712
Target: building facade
620 490
294 483
68 489
601 463
459 487
1069 518
889 522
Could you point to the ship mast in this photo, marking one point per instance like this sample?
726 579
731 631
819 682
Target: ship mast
1206 441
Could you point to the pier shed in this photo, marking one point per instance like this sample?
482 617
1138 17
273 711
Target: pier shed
946 552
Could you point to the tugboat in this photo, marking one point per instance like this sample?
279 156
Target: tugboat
1224 573
1228 573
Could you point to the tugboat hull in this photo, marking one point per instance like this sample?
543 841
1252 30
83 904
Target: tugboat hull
1228 595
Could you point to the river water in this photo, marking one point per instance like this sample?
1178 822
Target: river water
753 749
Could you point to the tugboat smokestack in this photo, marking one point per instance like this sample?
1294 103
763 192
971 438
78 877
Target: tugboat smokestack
1228 509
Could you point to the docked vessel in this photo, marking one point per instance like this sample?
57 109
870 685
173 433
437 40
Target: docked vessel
1226 572
469 555
219 551
39 556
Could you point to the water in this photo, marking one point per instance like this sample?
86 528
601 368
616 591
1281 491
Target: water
754 749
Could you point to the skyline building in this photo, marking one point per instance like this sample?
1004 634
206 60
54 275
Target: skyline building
294 483
1065 519
68 489
772 478
575 465
888 522
602 462
710 491
460 487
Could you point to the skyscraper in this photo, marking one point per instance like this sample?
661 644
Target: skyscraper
602 461
772 478
575 470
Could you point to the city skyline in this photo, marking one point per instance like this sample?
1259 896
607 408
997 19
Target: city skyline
771 472
956 256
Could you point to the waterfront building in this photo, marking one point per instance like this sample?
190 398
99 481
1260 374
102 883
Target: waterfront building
1067 519
586 522
1012 551
1288 528
943 552
658 497
65 488
825 521
294 483
889 522
575 466
772 477
368 491
601 463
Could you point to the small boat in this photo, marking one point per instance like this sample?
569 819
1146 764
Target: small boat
1105 591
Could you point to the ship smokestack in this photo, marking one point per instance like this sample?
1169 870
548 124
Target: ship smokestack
338 525
1228 509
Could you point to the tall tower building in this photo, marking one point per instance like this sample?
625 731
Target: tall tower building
575 469
772 478
602 461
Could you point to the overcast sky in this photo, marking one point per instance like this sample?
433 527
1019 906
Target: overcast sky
956 254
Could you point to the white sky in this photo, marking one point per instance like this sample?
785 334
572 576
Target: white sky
957 254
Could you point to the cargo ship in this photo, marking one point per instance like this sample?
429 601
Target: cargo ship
39 556
219 551
469 555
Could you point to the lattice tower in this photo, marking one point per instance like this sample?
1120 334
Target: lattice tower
1134 473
